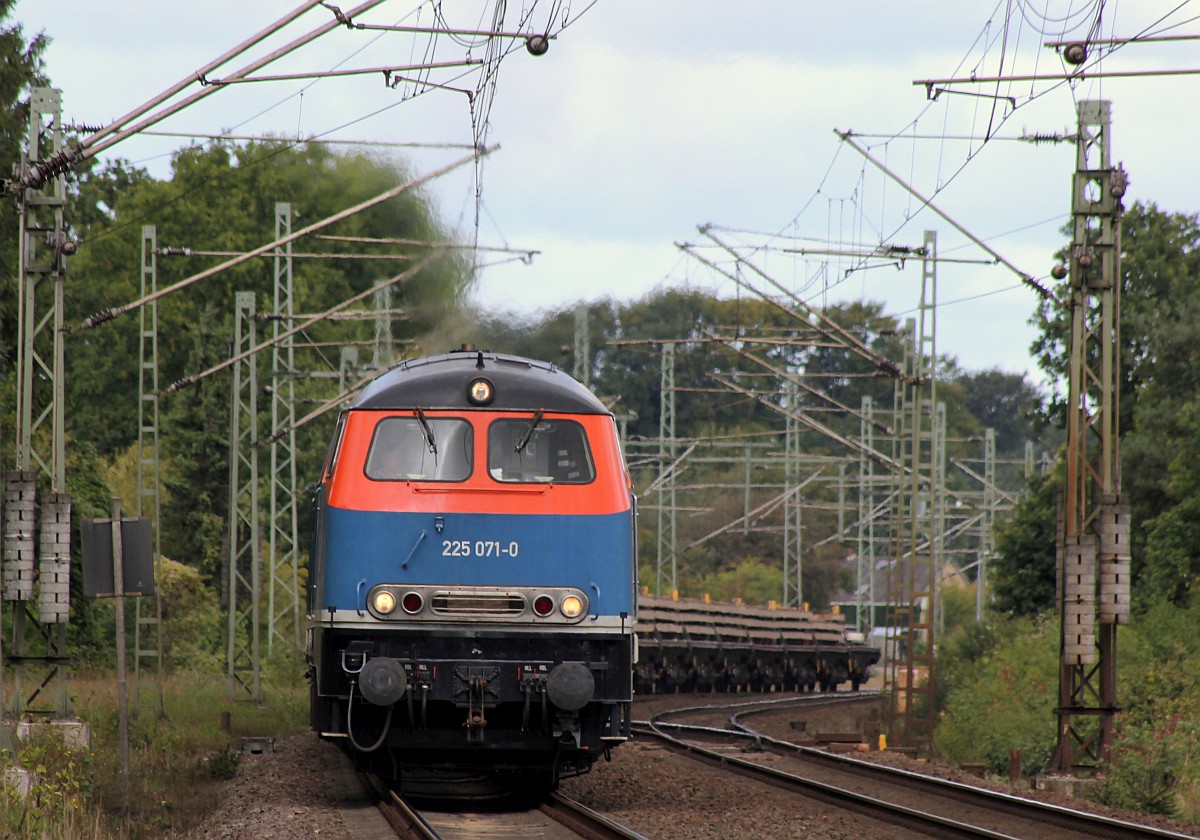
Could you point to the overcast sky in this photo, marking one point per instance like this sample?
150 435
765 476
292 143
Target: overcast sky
646 119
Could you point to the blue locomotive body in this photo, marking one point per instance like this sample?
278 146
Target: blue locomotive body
472 584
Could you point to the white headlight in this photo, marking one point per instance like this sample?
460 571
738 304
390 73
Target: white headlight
385 602
572 606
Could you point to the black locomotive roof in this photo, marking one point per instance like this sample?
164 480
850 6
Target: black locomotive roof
519 384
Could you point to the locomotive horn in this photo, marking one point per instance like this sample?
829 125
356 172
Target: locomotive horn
382 681
570 686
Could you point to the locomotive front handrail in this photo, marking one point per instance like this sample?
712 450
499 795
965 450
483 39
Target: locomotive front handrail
413 550
502 491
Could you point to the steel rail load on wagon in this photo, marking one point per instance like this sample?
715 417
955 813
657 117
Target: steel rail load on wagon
692 645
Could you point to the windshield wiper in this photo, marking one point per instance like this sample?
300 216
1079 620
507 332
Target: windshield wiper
524 441
428 432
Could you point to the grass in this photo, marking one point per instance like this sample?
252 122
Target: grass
177 762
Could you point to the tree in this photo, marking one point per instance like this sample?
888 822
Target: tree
1159 329
22 68
222 198
1005 402
626 340
1173 536
1022 574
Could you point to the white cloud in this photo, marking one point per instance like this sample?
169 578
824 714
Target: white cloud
645 119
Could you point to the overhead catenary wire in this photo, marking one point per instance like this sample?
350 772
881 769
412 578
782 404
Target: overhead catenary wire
1027 279
119 130
299 139
798 380
386 71
813 317
216 63
803 417
105 315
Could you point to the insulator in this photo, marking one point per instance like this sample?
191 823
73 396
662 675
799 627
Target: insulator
1076 53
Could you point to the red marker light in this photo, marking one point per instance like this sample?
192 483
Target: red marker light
412 602
543 605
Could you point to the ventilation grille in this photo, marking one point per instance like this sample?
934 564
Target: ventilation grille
478 603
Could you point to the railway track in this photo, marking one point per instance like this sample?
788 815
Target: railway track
554 818
923 804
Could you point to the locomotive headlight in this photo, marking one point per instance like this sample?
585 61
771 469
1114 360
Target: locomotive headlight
572 606
384 602
480 392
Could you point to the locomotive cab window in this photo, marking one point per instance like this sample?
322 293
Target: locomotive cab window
537 451
421 448
334 447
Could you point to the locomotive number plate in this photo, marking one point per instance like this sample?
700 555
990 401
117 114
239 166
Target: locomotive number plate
480 548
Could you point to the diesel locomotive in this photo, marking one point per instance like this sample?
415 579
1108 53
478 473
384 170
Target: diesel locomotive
472 587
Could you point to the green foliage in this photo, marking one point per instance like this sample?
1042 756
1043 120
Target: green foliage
751 580
1005 402
90 632
961 647
23 67
1147 771
178 760
1002 696
715 549
60 777
997 685
192 618
1158 731
1160 328
221 764
1175 532
223 197
1022 573
958 608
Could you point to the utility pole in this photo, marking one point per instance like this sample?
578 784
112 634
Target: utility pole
913 583
283 592
148 626
865 577
1093 546
667 454
583 353
384 347
987 523
244 653
793 527
39 647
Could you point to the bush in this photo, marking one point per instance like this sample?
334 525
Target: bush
221 764
1150 763
61 782
1004 699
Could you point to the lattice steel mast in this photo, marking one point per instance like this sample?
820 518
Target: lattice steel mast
148 627
244 646
39 648
667 456
1093 556
913 584
283 551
